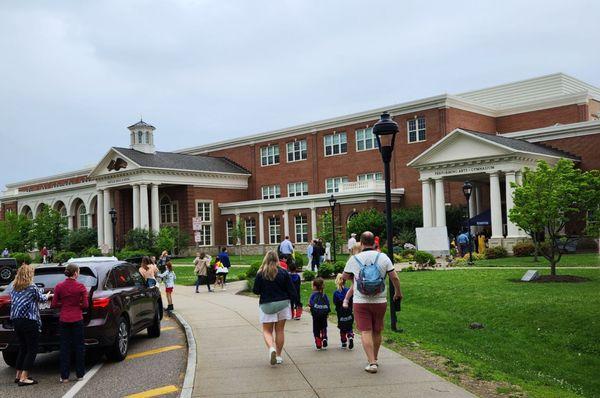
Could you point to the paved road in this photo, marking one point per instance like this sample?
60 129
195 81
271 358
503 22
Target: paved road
144 370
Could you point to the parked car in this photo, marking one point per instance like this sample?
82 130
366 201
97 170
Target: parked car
8 270
121 305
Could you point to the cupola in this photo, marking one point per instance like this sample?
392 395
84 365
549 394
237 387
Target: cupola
142 137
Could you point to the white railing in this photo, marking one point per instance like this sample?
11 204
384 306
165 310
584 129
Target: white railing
369 185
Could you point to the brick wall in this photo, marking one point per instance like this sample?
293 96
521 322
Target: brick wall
7 206
542 118
585 147
54 183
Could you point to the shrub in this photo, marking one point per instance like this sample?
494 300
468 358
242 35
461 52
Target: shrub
325 270
63 256
309 275
92 252
476 256
459 262
78 240
22 257
253 270
250 284
408 252
139 239
410 268
338 267
298 259
125 254
398 258
523 249
424 259
38 259
495 252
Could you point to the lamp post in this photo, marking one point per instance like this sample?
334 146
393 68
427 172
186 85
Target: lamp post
113 219
385 131
467 188
332 202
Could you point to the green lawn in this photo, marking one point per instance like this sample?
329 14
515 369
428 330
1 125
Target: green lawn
246 259
543 337
567 260
185 274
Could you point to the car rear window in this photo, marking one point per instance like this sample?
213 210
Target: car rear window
48 278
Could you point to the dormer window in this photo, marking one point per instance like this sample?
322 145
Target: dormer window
139 137
147 137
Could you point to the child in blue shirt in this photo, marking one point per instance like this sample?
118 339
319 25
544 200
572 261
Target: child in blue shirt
319 309
342 299
296 304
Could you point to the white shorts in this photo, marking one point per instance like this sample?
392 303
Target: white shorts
285 313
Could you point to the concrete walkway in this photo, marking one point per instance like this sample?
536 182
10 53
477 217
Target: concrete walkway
232 359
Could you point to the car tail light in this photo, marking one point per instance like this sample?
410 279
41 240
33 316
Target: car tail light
4 301
101 302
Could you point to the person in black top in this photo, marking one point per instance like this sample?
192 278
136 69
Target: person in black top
318 252
274 286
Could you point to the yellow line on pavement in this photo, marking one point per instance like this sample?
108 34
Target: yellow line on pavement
155 351
167 328
154 392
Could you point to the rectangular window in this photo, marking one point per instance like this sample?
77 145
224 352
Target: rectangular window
205 235
251 231
301 229
274 230
335 144
271 192
269 155
416 129
333 184
296 151
370 177
204 211
297 189
365 139
229 231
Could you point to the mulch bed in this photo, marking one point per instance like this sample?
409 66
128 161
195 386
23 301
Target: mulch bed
556 278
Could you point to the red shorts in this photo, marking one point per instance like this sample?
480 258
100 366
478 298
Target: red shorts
169 290
369 316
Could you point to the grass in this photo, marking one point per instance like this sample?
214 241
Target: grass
543 337
185 274
567 260
246 259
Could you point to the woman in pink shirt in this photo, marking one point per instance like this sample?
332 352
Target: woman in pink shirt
71 297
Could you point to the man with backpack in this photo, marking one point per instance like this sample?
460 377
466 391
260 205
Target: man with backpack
368 270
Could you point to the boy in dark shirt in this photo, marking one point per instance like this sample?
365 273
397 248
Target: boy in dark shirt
344 312
319 309
296 304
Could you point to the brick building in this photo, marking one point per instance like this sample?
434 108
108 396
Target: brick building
278 183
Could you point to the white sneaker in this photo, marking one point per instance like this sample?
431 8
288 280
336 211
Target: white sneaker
371 368
279 360
272 356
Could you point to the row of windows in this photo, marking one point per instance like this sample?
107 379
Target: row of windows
301 188
300 229
337 143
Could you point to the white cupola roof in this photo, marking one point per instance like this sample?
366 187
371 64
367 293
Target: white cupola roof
142 137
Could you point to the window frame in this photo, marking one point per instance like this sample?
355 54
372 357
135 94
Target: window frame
277 228
303 192
342 180
170 209
276 156
303 228
229 232
374 174
302 152
204 223
247 234
276 192
82 217
373 139
333 144
417 130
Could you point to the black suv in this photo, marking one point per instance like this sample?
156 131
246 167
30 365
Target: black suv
8 270
121 305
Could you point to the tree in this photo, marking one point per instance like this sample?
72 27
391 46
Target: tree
549 198
15 232
140 239
238 233
79 240
49 229
368 220
171 239
324 231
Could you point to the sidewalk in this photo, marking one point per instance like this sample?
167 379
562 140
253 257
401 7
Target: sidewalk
232 359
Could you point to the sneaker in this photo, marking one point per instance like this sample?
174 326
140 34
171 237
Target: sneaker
272 356
371 368
325 343
318 343
350 343
279 360
344 344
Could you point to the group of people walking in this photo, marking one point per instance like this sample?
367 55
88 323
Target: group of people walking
204 270
364 301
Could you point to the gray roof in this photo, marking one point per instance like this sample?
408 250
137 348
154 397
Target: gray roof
521 145
178 161
141 124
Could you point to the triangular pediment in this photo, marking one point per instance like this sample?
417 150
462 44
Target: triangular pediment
457 146
112 163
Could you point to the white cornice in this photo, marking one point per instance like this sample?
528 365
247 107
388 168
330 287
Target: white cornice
557 131
70 174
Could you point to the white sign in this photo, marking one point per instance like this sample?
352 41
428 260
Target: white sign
197 237
197 223
530 275
433 240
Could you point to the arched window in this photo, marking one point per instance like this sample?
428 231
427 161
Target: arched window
82 214
147 135
351 216
169 211
139 137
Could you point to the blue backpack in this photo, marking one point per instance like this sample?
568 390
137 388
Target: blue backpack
369 281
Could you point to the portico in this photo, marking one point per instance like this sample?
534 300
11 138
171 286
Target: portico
492 163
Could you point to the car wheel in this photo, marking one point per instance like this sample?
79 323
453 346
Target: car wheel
10 357
6 274
154 329
118 350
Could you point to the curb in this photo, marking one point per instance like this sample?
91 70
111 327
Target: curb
190 370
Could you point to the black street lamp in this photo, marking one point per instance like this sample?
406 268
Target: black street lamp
332 202
385 130
113 219
467 188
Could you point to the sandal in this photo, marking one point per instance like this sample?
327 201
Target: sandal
27 382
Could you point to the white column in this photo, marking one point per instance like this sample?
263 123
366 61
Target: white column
495 205
440 203
136 206
426 201
477 191
313 223
261 228
472 206
155 208
286 222
107 222
70 222
144 223
100 216
512 229
90 219
237 222
432 201
519 177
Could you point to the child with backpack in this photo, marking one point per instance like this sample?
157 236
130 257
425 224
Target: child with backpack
296 304
342 299
319 309
221 272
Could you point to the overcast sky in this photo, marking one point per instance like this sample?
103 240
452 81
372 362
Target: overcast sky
75 74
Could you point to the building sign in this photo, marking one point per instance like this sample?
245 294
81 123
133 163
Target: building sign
464 170
118 180
197 237
197 223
